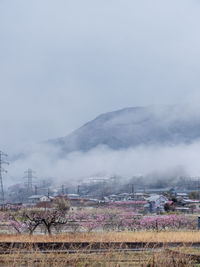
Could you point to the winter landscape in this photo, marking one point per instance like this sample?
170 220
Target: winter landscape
100 133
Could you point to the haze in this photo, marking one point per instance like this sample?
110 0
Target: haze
65 62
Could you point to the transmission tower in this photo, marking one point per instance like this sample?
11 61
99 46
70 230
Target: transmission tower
29 176
2 170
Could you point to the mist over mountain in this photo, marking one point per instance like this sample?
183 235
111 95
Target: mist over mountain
157 142
132 127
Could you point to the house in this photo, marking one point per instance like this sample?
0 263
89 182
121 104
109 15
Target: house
13 206
191 201
73 196
182 209
140 196
183 195
34 199
156 203
192 204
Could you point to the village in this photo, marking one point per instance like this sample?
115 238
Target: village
98 193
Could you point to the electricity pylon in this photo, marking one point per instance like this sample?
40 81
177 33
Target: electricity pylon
29 176
2 170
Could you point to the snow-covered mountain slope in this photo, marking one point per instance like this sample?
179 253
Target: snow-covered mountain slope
131 127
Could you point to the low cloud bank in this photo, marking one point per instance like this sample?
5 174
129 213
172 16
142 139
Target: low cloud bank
151 161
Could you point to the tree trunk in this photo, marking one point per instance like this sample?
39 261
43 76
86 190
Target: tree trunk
49 229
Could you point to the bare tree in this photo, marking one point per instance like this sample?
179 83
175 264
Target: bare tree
26 220
30 219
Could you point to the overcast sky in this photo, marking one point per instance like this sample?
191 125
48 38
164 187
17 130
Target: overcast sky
64 62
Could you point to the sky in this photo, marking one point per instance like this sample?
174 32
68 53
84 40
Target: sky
62 63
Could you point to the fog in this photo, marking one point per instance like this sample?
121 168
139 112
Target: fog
65 62
157 162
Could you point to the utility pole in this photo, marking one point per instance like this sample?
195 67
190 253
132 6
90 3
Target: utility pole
133 191
35 189
144 188
2 170
78 190
63 189
29 176
103 190
198 188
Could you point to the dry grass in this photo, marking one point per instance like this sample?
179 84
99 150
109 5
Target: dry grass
60 260
187 236
110 259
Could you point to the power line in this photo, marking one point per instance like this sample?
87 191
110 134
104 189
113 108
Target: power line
2 170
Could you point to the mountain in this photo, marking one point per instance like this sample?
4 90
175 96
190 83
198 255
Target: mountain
131 127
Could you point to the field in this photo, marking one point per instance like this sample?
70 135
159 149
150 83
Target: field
146 257
108 259
98 237
141 236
